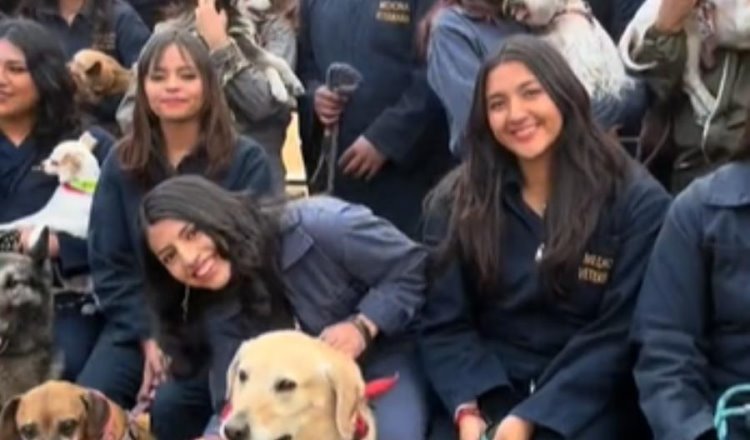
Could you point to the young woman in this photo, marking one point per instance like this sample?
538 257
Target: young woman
222 268
541 236
181 126
37 113
459 35
691 322
110 26
256 112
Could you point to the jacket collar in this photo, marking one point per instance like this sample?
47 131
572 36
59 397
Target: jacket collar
729 185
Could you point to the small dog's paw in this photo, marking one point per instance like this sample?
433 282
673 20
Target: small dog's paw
279 92
297 88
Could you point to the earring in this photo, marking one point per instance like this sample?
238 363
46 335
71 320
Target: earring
185 303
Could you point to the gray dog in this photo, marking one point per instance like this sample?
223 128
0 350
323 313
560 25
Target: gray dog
26 311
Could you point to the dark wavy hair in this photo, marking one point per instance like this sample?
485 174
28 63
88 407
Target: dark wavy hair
245 233
103 37
141 152
56 116
588 167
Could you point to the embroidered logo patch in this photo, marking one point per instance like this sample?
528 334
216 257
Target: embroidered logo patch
394 12
595 269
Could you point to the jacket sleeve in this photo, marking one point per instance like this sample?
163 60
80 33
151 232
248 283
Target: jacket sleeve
114 263
459 365
670 328
73 257
588 369
668 53
131 33
245 85
307 68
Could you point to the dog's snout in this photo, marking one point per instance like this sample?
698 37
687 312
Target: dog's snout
285 437
237 429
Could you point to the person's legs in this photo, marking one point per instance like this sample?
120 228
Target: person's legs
115 368
403 412
77 327
181 409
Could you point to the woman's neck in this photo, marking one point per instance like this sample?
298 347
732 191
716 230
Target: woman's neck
536 180
180 139
70 8
16 130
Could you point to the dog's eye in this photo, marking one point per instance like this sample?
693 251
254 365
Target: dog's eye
242 376
285 385
28 431
68 427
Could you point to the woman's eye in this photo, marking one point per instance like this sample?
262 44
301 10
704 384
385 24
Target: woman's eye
168 258
191 233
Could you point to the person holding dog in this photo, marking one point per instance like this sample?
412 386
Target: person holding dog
540 239
676 146
223 267
690 324
37 112
181 125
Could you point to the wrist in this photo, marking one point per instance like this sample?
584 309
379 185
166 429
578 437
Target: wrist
668 26
363 329
469 413
217 42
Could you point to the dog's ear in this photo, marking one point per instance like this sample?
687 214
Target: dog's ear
39 250
349 393
95 69
8 427
232 373
88 140
97 414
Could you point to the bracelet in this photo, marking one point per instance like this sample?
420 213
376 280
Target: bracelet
363 330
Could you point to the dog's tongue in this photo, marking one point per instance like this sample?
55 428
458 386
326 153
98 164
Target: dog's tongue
225 412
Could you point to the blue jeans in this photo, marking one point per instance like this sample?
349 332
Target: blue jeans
77 326
182 409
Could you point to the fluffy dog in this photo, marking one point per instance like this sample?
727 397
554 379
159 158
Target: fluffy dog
60 410
287 385
570 27
97 76
26 354
722 23
244 17
77 170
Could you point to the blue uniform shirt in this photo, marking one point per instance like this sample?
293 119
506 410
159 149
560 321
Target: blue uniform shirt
559 361
692 322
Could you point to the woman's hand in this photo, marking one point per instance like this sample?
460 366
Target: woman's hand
514 428
673 14
211 24
471 427
53 245
345 338
328 105
154 370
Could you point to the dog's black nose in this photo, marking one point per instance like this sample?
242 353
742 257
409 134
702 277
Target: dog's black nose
236 430
285 437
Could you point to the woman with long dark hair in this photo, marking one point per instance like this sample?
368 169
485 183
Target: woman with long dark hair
540 239
36 114
109 26
691 324
181 126
222 268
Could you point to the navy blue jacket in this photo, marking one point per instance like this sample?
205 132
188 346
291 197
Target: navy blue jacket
115 241
615 15
337 260
24 191
394 107
692 322
561 362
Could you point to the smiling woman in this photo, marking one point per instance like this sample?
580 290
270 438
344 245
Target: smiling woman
543 228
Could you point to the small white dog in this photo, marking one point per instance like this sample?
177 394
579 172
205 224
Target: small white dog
77 170
725 22
570 27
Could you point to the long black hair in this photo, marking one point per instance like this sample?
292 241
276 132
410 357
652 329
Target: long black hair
56 117
588 166
103 37
245 233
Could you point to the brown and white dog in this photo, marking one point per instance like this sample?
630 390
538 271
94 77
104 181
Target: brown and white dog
717 23
570 27
97 76
287 385
63 411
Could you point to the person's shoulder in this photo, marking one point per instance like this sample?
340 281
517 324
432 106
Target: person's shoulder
247 149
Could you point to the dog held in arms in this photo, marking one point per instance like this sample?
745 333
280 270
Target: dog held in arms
573 30
77 171
98 76
287 385
26 353
60 410
713 23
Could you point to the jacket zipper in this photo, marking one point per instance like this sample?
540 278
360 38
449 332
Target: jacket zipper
719 97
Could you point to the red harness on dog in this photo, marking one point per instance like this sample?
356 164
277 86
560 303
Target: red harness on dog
373 390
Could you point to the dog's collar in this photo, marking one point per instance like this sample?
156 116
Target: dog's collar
81 186
110 428
373 390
